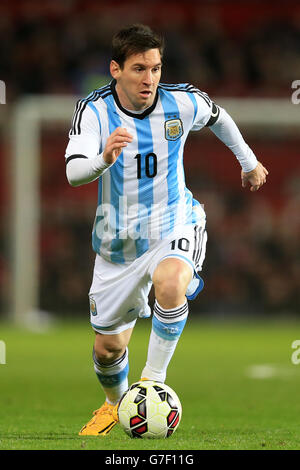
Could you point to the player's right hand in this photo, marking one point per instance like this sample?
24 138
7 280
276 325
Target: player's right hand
115 143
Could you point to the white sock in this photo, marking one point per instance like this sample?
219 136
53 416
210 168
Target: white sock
167 326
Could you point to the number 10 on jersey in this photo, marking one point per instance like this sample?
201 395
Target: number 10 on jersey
146 166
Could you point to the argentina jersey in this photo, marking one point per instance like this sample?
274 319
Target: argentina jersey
142 197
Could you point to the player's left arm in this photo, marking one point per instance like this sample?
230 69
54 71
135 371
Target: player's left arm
224 127
256 178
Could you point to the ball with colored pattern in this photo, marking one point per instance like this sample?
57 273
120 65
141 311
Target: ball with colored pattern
149 409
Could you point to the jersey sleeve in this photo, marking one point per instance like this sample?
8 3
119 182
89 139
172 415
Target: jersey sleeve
84 135
206 111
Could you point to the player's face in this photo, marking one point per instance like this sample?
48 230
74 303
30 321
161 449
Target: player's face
137 81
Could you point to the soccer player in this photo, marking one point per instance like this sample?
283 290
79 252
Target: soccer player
148 229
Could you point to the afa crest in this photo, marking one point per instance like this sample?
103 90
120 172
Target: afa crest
173 129
93 307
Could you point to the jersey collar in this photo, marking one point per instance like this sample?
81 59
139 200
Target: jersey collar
126 111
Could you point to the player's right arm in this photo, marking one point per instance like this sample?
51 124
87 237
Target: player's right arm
84 163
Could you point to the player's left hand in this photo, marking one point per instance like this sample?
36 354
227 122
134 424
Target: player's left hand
256 177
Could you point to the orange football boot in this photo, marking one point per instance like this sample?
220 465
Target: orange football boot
104 419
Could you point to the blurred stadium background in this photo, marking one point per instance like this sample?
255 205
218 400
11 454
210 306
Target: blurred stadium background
245 55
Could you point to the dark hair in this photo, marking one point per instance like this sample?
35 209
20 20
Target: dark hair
134 39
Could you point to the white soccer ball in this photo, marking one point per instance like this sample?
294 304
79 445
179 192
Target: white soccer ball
149 409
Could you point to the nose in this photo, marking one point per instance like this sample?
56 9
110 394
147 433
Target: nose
148 79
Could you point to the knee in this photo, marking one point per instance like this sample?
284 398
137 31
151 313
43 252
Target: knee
172 287
171 284
106 350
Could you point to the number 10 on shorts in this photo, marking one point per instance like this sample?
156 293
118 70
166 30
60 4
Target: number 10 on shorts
182 244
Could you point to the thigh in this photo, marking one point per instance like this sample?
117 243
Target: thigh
187 243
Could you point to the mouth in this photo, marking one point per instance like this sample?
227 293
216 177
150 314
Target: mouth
146 93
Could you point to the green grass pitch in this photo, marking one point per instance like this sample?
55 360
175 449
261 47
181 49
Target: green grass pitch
238 387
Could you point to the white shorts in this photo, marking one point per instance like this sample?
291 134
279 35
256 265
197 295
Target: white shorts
119 292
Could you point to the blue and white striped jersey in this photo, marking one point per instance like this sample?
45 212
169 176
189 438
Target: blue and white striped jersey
142 197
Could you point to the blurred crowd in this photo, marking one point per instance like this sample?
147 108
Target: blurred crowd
253 258
64 47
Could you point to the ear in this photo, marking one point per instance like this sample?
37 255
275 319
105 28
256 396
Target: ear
115 69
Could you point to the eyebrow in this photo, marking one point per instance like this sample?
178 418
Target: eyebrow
143 65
